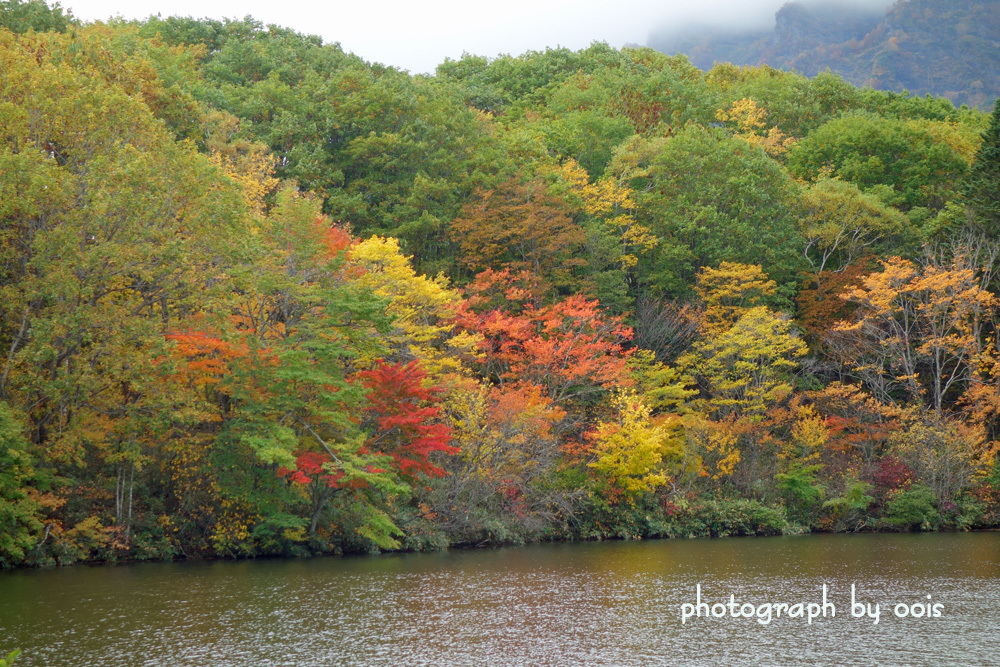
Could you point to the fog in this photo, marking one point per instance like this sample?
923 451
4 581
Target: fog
749 14
417 36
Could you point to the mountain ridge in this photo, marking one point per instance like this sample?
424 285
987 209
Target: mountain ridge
921 46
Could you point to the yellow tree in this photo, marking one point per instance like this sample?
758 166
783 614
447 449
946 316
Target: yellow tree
840 224
747 368
744 373
610 200
916 329
247 163
423 309
729 291
750 121
630 452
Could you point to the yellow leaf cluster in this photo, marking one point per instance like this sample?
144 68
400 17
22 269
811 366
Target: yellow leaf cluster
718 442
750 121
422 307
729 291
612 202
629 453
248 164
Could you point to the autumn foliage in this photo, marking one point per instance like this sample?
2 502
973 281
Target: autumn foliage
303 304
405 423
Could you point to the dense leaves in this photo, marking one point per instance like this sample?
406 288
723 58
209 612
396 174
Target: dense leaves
260 297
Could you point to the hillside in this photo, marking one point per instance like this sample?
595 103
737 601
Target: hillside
948 49
260 297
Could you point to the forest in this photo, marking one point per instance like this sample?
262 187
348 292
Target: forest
260 297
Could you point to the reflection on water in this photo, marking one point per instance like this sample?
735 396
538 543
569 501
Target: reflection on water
614 603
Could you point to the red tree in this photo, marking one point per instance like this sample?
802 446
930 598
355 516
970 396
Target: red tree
402 419
569 348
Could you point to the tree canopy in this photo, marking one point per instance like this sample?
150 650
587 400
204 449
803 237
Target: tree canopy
259 296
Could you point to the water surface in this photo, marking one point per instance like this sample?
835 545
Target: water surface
612 603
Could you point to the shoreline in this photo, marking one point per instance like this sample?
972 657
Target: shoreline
469 547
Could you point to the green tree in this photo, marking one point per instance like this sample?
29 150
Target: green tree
388 153
908 163
710 198
981 187
19 512
23 15
840 224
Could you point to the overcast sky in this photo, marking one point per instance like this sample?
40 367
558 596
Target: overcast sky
417 35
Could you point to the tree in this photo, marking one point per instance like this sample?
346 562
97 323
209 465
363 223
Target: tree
19 511
709 198
859 427
504 483
945 455
666 329
612 203
404 423
522 227
903 160
630 452
570 349
422 309
388 153
981 187
292 396
915 329
745 369
840 224
118 233
749 120
20 16
797 105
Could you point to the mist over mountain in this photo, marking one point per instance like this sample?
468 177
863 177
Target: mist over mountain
922 46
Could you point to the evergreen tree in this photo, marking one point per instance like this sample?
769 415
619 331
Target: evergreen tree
982 184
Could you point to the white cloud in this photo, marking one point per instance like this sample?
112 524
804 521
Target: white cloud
419 35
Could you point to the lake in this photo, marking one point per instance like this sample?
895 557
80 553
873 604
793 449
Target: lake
606 603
